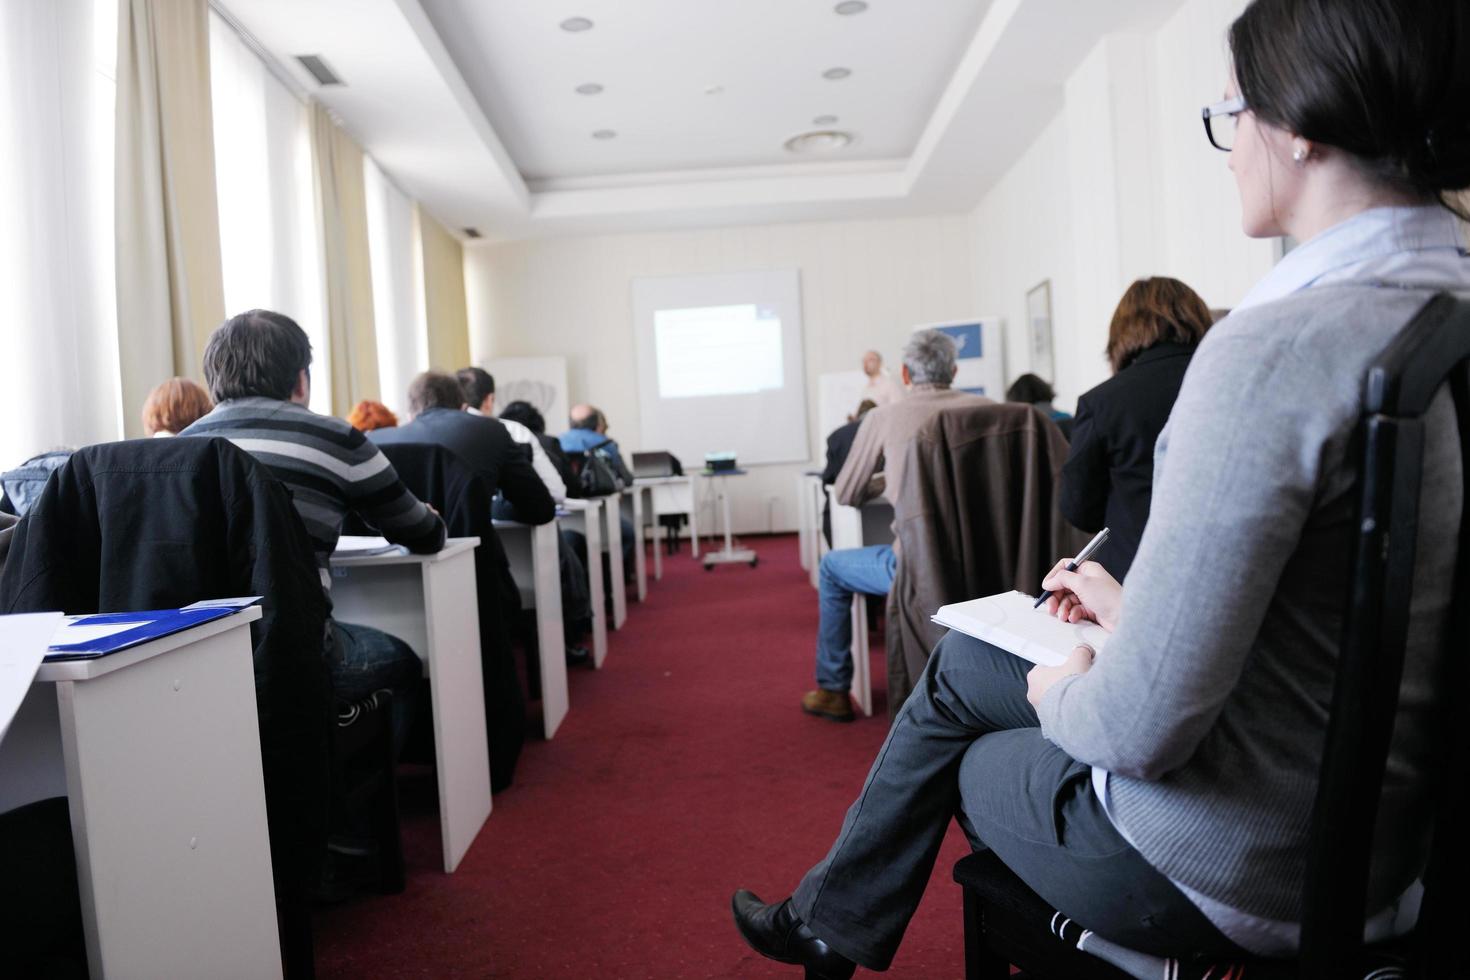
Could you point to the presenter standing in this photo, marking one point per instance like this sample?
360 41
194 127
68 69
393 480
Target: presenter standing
880 389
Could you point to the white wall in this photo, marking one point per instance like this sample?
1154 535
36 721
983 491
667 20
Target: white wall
1122 184
864 284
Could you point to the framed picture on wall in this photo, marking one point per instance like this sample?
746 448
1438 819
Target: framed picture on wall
1038 328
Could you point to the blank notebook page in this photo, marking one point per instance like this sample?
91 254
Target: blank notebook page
1009 622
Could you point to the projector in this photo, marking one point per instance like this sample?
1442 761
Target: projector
719 462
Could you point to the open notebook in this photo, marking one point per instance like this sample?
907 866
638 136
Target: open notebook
1008 621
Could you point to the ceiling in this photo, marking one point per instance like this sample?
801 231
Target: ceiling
471 105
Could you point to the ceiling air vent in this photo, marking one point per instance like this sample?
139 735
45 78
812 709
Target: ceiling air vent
319 69
472 233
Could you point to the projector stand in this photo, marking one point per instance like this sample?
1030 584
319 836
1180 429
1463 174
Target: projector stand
729 555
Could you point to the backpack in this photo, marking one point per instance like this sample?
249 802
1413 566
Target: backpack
595 471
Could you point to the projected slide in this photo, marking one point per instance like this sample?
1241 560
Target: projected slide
717 350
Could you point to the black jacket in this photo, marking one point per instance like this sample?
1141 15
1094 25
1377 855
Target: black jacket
161 523
559 461
839 444
1109 475
484 444
462 496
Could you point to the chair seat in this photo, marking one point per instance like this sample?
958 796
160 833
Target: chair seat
1016 923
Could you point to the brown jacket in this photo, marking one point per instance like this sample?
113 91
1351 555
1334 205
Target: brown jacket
976 514
875 461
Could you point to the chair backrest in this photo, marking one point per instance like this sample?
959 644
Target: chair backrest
1431 352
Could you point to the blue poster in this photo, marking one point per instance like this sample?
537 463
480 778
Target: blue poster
967 339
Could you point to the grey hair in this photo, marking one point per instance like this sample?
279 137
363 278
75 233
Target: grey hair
930 357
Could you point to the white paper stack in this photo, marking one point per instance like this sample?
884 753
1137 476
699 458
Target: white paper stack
1009 622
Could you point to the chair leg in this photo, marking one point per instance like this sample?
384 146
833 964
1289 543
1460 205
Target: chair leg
386 829
981 962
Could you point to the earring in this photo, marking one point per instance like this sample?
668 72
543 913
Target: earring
1299 155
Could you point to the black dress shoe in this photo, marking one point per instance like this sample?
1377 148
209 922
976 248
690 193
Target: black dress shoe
776 933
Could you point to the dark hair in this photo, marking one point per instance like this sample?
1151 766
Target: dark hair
1386 81
526 414
174 406
256 354
474 384
1154 311
434 389
1031 390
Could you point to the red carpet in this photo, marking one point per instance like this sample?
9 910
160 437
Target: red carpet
685 770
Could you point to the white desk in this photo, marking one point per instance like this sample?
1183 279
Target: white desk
158 751
858 527
810 496
430 603
585 515
673 495
536 567
636 502
612 543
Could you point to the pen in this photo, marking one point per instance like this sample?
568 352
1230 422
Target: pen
1082 556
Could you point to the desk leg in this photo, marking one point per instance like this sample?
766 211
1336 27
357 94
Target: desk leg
694 514
452 621
168 815
640 560
615 561
803 522
592 527
546 571
862 681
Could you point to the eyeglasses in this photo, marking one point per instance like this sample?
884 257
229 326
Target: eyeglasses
1220 122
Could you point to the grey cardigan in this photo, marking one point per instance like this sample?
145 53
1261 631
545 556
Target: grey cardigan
1210 702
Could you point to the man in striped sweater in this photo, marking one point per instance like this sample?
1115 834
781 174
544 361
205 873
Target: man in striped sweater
257 366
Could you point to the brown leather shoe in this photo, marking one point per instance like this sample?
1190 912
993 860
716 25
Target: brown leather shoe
835 705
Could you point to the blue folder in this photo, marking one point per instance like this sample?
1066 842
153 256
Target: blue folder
155 623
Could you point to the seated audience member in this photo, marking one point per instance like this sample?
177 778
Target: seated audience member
880 389
527 415
1161 795
174 406
928 370
368 415
839 444
1029 389
436 416
257 366
1109 474
589 432
478 389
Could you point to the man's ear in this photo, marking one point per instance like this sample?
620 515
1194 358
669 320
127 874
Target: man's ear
301 394
903 374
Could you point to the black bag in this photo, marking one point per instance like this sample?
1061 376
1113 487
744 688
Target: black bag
595 472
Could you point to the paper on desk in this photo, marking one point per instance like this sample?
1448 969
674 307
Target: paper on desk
354 545
238 602
23 642
1009 621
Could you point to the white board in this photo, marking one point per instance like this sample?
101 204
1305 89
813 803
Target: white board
542 381
838 396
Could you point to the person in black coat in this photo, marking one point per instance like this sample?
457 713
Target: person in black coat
839 444
436 403
1109 475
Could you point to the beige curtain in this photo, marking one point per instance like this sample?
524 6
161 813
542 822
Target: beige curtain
342 211
444 297
170 294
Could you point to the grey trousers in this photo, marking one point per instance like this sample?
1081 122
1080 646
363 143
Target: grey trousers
967 744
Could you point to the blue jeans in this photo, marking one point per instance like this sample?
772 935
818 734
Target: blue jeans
364 660
845 572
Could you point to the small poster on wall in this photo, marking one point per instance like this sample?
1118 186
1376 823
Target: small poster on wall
1038 329
981 357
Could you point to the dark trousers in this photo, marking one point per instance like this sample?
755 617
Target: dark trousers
967 744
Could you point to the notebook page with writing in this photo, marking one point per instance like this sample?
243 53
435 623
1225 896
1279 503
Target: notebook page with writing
1009 622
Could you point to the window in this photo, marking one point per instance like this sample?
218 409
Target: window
267 210
398 310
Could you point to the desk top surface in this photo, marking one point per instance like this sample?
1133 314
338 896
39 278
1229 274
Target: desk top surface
452 547
84 670
659 481
577 504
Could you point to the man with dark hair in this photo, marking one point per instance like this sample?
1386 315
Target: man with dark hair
525 414
478 388
257 367
435 401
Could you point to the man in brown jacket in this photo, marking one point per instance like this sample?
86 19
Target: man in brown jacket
872 468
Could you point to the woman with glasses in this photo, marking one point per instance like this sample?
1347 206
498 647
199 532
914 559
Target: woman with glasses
1160 795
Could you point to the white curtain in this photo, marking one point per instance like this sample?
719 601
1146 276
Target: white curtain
267 214
58 336
403 346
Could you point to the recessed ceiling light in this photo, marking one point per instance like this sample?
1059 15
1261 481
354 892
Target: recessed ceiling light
605 134
849 7
576 24
820 141
836 74
824 121
589 88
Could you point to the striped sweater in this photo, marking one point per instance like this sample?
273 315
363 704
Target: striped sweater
330 469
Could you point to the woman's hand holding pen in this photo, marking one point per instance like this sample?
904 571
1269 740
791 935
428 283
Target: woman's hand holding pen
1089 593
